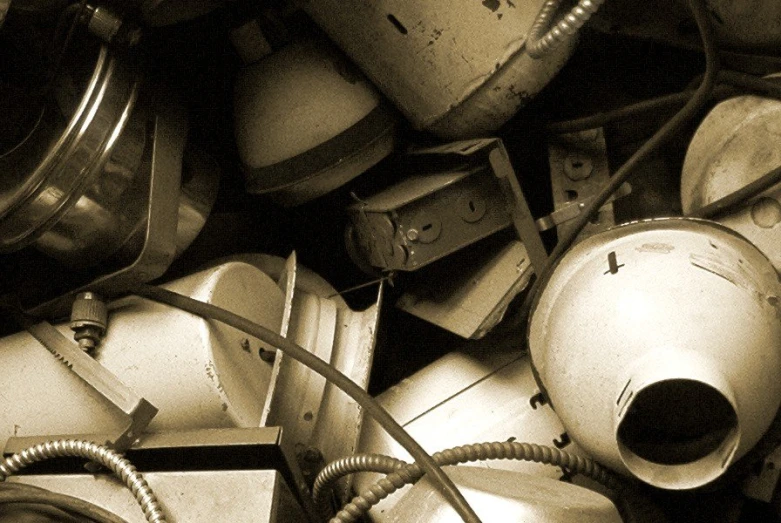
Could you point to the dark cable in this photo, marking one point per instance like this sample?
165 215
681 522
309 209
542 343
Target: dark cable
21 493
367 403
660 104
765 86
665 133
728 82
737 199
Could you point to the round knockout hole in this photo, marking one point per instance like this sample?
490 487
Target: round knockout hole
308 416
766 213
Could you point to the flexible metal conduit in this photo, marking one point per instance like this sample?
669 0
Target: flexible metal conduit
410 473
543 38
103 455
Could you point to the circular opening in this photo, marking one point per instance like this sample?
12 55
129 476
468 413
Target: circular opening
676 421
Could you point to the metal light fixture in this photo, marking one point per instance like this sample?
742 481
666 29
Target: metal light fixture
657 343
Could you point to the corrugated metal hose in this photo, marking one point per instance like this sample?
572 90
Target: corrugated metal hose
411 472
101 454
543 38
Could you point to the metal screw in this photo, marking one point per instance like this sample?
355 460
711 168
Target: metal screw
89 317
578 167
412 235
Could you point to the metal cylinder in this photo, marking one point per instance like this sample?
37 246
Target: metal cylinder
657 343
457 69
736 144
77 187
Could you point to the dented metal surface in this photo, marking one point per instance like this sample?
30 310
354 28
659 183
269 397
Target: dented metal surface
652 348
438 211
470 69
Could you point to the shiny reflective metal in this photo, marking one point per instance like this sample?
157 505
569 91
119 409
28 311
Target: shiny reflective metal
657 343
89 316
45 176
457 69
103 23
501 495
165 231
97 187
472 194
482 391
736 144
579 170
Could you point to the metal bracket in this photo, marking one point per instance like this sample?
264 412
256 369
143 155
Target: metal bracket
522 218
570 212
139 411
579 170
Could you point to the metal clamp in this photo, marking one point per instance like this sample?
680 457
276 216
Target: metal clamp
139 411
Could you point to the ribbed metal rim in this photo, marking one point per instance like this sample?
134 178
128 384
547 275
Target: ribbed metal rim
62 176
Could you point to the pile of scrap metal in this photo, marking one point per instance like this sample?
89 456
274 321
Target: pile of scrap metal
575 209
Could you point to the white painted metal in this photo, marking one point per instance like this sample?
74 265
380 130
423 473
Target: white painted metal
483 392
501 495
196 372
458 69
652 302
238 496
736 144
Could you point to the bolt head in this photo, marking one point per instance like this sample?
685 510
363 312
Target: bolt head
578 167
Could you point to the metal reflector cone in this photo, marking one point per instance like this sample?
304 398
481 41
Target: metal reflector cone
658 343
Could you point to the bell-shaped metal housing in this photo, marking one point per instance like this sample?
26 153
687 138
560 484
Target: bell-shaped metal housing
658 344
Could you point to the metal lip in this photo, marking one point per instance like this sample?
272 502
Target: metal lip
62 175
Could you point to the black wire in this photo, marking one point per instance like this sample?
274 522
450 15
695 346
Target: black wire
738 199
442 482
660 104
728 82
665 133
21 493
